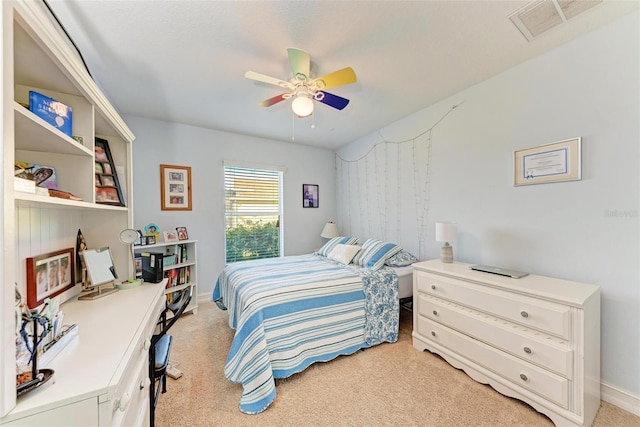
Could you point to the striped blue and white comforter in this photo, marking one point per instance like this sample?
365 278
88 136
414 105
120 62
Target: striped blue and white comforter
291 312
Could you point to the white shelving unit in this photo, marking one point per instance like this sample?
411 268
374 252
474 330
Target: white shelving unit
186 253
37 55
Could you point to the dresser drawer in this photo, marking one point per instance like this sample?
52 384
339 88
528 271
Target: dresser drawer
544 350
542 315
537 380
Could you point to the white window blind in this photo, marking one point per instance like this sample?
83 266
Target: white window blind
252 213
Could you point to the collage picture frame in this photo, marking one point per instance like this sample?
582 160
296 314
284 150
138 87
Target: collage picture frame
108 190
175 188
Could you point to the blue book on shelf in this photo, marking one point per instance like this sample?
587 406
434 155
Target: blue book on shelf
53 112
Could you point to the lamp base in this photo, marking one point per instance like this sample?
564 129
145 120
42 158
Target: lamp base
446 254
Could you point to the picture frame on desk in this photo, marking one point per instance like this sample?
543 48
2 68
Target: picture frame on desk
48 275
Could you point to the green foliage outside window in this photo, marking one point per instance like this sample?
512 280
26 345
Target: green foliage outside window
252 241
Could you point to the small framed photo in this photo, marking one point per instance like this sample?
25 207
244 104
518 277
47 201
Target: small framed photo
151 240
139 240
49 275
182 233
170 236
175 188
556 162
310 196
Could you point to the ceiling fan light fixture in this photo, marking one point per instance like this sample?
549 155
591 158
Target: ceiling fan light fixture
302 106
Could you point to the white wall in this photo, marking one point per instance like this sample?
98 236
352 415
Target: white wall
204 151
586 230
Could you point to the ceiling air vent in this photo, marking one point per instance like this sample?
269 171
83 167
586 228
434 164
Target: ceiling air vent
542 15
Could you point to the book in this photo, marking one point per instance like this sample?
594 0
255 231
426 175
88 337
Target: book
51 111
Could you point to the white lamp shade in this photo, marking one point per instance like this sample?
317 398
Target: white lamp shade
302 106
446 231
330 230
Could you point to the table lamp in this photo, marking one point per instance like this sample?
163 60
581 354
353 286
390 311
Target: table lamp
330 230
446 232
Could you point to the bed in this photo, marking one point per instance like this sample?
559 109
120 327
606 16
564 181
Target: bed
291 312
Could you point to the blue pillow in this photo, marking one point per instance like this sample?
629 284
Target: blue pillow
374 253
341 240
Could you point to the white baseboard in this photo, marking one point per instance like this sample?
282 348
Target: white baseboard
620 398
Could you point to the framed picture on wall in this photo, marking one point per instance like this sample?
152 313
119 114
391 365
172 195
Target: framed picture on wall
556 162
175 188
310 196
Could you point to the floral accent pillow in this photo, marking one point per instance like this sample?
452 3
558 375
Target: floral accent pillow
401 259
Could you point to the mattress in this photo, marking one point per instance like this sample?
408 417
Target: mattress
405 281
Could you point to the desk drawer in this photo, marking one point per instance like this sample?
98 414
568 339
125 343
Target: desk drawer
544 350
520 373
542 315
131 397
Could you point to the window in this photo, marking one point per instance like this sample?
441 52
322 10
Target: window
252 213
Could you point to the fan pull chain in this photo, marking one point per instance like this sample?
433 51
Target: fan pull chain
293 126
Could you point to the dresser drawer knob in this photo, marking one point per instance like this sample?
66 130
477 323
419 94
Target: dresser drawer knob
527 350
433 287
435 312
145 383
433 333
524 314
523 377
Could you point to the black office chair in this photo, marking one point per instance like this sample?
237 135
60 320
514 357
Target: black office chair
161 347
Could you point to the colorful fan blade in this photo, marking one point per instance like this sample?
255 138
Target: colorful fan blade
334 101
271 101
267 79
337 78
300 63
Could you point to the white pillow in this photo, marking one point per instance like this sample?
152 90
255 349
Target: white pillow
343 253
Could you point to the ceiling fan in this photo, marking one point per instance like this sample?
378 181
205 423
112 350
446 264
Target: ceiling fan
303 87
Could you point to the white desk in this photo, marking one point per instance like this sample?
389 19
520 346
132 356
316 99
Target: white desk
101 377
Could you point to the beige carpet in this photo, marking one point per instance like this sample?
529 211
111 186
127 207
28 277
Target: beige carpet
390 384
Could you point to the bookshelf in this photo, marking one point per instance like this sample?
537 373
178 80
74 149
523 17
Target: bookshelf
37 56
179 266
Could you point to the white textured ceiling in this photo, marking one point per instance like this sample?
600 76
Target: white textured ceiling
184 61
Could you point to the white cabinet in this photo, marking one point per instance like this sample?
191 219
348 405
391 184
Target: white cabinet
36 55
179 265
534 338
101 378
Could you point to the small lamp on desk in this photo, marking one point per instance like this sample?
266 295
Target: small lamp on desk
446 232
330 230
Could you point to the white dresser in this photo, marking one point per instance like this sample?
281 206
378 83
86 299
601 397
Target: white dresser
102 377
535 338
